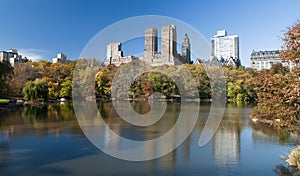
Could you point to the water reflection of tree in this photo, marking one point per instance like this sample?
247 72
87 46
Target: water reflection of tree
33 114
141 107
43 119
263 131
281 170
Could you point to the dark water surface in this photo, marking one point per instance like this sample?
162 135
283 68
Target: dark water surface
47 140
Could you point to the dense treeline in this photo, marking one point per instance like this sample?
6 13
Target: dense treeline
154 81
44 80
37 80
243 85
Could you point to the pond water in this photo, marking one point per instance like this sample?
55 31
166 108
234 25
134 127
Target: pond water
47 140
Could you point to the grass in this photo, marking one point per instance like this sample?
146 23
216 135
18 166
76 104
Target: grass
4 101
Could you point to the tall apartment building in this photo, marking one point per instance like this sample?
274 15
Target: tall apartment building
225 47
265 59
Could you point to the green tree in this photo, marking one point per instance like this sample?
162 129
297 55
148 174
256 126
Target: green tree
36 90
239 84
66 89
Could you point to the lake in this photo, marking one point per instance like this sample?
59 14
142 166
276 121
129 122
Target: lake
47 140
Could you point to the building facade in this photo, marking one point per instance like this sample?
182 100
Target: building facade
265 59
61 58
225 47
11 56
114 55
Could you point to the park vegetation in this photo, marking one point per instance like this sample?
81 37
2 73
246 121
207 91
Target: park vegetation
275 92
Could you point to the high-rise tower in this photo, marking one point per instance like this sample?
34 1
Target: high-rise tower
169 42
150 43
186 49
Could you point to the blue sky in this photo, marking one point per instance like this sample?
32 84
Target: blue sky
42 28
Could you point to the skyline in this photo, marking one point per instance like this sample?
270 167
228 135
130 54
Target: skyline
41 29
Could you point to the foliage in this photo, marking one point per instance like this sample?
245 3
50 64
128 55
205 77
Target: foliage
239 84
278 69
291 39
278 99
36 90
294 158
102 82
5 71
21 74
66 89
278 89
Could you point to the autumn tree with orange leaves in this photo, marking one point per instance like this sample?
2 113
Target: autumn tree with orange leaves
291 48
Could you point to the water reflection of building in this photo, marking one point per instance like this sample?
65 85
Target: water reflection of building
226 141
114 126
226 145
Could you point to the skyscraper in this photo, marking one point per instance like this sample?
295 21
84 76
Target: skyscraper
150 43
169 42
225 47
186 49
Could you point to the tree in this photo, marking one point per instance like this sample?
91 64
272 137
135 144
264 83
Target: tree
59 72
66 89
239 84
42 67
22 73
291 47
278 69
278 99
5 71
36 90
102 81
